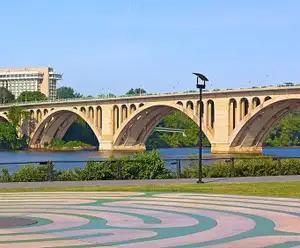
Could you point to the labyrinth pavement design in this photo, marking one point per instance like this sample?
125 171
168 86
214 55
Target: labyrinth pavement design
129 219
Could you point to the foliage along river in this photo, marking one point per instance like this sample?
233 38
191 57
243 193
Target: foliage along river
171 153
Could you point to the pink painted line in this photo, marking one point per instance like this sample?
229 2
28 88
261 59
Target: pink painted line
283 221
230 203
257 242
85 193
200 198
183 195
49 201
113 219
42 244
59 222
224 228
116 235
24 237
167 219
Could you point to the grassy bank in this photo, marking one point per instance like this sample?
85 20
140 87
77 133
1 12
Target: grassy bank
279 189
57 144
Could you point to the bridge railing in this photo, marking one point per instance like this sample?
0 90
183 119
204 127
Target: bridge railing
218 167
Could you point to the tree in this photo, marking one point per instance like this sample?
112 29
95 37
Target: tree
8 136
286 133
135 92
179 120
30 96
110 95
6 96
16 114
67 93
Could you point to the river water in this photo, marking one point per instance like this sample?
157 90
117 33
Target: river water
18 157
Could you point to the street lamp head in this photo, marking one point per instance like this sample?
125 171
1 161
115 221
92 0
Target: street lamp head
203 78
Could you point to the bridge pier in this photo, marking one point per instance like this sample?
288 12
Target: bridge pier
224 149
106 146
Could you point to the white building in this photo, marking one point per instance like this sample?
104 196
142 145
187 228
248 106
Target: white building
41 79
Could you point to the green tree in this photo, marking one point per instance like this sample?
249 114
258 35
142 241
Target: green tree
178 120
286 133
6 96
67 93
9 138
30 96
16 114
135 92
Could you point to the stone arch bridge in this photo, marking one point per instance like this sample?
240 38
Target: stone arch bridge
234 121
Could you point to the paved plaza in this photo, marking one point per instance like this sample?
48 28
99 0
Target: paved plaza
142 220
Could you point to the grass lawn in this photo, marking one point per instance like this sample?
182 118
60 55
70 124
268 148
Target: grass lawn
281 189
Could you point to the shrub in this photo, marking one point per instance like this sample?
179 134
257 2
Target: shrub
290 166
31 173
57 143
5 176
255 167
146 165
66 175
76 144
98 171
245 167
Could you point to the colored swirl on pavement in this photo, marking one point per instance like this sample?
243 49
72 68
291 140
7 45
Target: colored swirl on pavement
129 219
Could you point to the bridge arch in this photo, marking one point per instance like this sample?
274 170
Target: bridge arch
55 124
116 118
91 112
255 102
267 98
190 105
210 113
253 130
124 112
39 115
244 107
232 114
199 107
137 129
3 118
99 117
132 108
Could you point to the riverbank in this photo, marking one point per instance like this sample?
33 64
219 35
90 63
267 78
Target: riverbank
65 149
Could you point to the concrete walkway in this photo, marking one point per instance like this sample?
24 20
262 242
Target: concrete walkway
144 182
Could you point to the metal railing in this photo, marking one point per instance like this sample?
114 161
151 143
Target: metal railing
179 167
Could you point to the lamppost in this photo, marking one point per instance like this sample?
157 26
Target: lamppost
200 86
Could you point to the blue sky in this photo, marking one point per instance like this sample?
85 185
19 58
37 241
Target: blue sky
114 45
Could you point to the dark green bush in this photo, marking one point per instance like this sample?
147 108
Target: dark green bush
146 165
31 173
4 176
256 167
66 175
106 170
290 166
245 167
